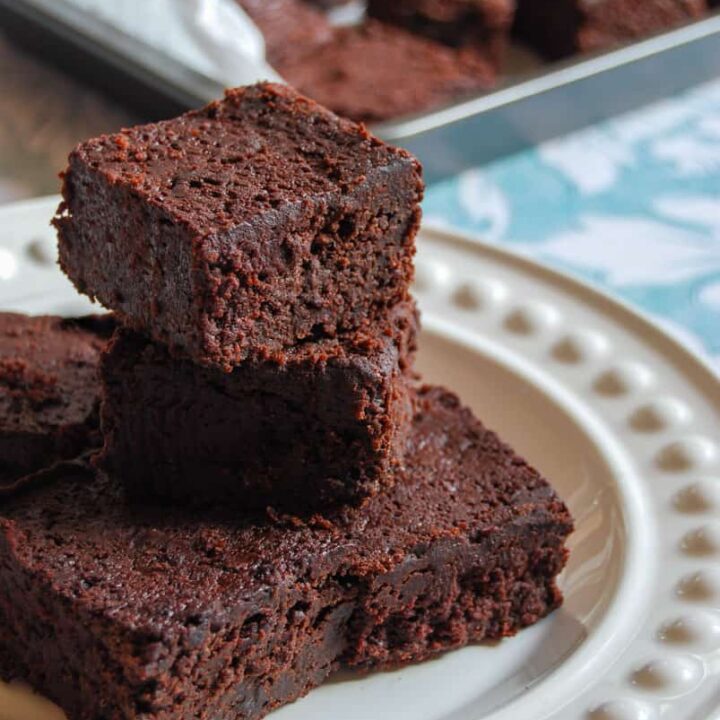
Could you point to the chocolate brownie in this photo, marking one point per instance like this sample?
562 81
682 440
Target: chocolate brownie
289 26
558 28
481 24
49 392
257 223
315 426
376 72
145 614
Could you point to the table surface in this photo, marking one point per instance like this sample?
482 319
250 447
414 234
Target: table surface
632 204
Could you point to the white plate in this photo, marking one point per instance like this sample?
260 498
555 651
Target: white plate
623 420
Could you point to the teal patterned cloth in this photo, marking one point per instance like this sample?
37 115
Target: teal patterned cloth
632 204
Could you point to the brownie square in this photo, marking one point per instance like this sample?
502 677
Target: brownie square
252 225
480 24
319 425
376 72
558 28
146 614
49 392
288 26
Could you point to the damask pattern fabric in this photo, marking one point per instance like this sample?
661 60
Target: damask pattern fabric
632 205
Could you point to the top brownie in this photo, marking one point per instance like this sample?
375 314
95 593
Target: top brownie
258 222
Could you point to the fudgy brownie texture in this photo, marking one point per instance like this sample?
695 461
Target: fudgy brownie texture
288 26
257 223
143 614
481 24
318 425
558 28
49 392
376 72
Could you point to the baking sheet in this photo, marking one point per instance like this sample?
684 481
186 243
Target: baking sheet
534 103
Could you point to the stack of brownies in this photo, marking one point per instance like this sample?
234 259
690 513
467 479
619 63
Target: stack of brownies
277 497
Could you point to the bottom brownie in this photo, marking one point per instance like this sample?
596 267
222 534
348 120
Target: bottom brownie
49 392
147 615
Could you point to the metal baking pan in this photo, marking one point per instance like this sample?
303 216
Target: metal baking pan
527 108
